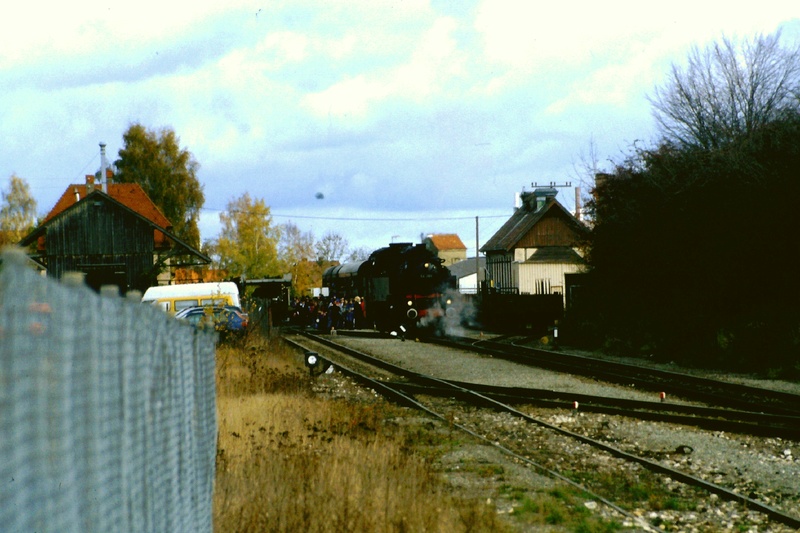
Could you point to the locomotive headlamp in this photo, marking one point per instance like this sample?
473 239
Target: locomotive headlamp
448 301
410 303
426 266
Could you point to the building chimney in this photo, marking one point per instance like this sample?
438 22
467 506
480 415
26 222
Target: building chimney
103 167
542 195
578 203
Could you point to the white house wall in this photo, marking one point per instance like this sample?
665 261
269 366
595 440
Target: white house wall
529 275
468 284
522 254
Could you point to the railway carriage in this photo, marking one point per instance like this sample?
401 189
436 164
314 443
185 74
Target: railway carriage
405 286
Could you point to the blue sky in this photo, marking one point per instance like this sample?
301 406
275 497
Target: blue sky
409 117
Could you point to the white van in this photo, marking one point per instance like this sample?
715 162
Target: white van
173 298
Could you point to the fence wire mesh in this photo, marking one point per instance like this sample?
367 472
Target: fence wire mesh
107 411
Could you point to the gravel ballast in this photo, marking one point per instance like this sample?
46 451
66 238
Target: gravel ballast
764 469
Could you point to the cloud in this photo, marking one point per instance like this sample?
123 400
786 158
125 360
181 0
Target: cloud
438 107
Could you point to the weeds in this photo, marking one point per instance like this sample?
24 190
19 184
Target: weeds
288 461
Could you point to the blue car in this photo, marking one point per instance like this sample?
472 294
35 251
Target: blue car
227 319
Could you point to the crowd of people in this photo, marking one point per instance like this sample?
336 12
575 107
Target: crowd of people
328 314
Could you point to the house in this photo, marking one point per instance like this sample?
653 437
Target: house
534 250
467 273
447 246
113 233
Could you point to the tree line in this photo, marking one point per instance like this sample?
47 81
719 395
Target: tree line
692 237
249 245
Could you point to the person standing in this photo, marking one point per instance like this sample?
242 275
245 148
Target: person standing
358 313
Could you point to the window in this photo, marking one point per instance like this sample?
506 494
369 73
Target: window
184 304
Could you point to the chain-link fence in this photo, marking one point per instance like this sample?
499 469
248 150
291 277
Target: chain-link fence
107 411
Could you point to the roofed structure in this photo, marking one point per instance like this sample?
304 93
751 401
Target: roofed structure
131 195
468 272
536 247
118 238
447 246
554 225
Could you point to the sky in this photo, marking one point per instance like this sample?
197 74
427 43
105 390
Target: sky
380 120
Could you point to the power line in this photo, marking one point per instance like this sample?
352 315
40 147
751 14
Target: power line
81 173
367 219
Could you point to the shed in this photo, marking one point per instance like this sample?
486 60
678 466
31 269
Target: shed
119 238
534 250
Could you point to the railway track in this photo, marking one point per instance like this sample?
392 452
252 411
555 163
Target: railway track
750 423
412 385
713 392
759 420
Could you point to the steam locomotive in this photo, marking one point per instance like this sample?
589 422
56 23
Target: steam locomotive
405 287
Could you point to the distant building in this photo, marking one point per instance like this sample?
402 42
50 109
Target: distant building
467 274
447 246
112 233
534 250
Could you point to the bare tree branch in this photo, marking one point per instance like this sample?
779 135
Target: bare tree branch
727 90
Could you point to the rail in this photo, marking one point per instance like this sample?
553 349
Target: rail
393 391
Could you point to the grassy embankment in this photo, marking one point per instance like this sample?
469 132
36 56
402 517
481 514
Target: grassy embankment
291 460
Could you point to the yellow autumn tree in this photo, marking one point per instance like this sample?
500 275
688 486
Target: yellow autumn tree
248 242
296 250
17 211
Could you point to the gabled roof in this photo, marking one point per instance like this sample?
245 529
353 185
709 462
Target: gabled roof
523 220
466 267
131 195
179 246
446 241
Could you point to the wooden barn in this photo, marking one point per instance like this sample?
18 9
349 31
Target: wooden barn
534 250
528 261
117 237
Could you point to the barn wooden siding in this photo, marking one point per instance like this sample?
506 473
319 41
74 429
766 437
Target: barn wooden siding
551 230
98 234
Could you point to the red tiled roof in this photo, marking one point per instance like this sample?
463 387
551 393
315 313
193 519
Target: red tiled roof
131 195
447 241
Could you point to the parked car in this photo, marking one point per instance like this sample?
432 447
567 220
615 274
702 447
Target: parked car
228 319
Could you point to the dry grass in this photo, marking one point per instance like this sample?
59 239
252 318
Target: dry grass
288 460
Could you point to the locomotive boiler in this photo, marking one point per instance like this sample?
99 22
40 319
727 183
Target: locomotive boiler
405 286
